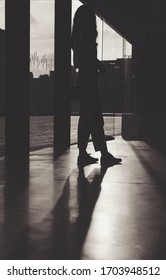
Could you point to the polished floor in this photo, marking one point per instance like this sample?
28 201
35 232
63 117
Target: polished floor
91 213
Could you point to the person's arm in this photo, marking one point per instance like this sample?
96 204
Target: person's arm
100 67
88 53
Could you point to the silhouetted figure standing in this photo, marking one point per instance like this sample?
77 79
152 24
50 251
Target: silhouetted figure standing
84 47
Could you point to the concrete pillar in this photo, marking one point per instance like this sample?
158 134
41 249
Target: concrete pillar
62 76
17 16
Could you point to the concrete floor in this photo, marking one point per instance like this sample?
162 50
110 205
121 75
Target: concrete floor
66 213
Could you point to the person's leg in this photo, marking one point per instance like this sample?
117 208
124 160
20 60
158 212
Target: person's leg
96 127
100 144
83 136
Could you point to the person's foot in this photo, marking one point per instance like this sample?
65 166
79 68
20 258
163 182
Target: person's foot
109 160
86 160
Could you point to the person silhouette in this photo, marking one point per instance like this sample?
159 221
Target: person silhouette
84 46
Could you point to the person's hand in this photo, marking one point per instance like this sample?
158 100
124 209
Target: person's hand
101 70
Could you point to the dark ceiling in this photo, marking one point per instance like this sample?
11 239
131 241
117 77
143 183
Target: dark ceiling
134 19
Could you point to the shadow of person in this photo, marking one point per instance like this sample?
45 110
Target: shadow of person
67 225
60 225
88 191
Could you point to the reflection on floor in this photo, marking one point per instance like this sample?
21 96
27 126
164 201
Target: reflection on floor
91 213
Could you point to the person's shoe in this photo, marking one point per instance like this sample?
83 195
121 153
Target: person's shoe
109 160
86 160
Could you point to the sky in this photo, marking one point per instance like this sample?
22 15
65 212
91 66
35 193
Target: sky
42 32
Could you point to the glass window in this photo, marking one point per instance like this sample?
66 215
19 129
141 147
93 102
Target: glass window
112 50
41 76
